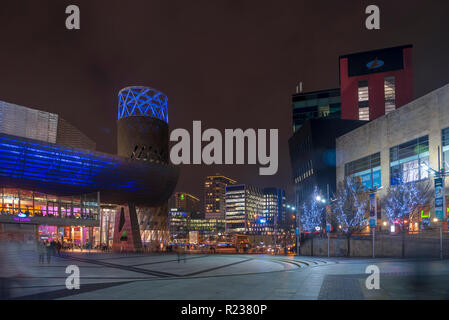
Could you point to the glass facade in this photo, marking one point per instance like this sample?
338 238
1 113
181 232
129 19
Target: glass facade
245 210
180 224
410 161
367 168
313 105
25 203
363 98
274 209
445 147
235 209
390 94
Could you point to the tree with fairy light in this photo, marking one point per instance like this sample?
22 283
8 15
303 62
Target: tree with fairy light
311 215
350 208
403 201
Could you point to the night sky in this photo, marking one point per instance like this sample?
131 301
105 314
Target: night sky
230 64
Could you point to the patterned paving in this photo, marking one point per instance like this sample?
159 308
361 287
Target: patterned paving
164 276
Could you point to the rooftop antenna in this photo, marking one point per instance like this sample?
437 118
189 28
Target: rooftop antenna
299 87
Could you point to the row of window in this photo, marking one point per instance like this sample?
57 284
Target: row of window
363 97
409 162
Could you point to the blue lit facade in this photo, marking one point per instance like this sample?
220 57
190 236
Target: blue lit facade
142 101
60 170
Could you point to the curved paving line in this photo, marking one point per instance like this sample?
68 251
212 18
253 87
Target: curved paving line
297 263
174 260
62 293
127 268
216 268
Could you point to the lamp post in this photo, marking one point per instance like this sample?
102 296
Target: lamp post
323 201
373 213
439 177
297 230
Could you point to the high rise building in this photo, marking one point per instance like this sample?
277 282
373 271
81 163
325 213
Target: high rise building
374 83
214 196
187 202
274 209
315 105
245 209
313 157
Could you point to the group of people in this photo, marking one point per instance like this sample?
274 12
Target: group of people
47 249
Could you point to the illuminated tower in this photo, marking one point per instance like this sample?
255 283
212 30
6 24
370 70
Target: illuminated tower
142 137
142 125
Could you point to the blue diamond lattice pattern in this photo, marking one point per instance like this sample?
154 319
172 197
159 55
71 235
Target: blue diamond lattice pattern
142 101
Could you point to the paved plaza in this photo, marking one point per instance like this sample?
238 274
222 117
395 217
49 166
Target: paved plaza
228 276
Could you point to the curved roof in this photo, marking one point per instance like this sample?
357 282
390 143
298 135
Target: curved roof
63 171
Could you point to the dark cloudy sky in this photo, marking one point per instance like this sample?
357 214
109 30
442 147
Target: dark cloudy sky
227 63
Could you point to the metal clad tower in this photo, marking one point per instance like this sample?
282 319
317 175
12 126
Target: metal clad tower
142 125
142 136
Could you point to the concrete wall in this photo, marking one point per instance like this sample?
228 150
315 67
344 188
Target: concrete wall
427 115
416 246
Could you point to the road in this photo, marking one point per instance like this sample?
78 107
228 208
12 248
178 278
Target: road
161 276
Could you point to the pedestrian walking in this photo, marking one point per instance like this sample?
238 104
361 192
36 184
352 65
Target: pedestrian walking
40 248
58 247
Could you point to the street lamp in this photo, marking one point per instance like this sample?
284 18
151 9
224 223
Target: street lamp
295 216
439 177
373 212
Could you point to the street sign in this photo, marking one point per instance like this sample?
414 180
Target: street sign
372 222
297 231
328 227
439 198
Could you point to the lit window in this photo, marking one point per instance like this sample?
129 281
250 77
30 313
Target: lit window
390 94
363 100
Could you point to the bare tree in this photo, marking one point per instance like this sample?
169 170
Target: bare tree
403 201
350 208
311 215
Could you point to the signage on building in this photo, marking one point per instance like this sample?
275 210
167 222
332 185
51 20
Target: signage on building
382 60
372 209
439 198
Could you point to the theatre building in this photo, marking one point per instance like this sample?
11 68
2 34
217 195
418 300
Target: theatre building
55 186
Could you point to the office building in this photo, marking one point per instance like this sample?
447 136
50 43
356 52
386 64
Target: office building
315 105
375 83
401 145
274 210
245 209
313 156
188 202
214 196
182 222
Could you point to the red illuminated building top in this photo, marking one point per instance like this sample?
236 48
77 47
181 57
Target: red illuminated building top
375 83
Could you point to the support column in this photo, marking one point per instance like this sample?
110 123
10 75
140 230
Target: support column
126 230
